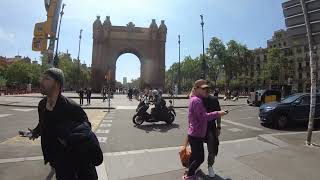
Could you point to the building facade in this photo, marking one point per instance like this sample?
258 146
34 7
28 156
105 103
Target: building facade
295 52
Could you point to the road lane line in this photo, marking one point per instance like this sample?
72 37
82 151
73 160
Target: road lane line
105 125
248 118
101 171
104 131
242 125
126 107
5 115
102 139
24 110
235 129
107 121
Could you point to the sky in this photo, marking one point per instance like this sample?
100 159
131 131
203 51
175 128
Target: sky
251 22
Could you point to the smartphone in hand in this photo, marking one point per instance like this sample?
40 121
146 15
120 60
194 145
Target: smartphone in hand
25 134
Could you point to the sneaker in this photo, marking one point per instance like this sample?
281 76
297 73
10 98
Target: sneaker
185 177
211 172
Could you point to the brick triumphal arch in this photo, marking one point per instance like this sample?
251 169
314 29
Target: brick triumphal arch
148 44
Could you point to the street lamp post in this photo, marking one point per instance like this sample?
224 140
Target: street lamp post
56 58
80 36
179 71
203 73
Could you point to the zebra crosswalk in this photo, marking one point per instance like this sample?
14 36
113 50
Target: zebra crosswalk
104 127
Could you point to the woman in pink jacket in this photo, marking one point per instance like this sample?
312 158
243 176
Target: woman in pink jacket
198 118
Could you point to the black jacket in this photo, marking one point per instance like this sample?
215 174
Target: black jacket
211 104
66 132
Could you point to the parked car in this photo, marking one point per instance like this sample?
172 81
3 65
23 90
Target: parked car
293 108
263 96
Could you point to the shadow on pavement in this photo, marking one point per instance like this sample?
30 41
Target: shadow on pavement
163 128
294 127
203 176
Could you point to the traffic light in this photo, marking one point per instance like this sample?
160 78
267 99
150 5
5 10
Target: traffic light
39 42
45 30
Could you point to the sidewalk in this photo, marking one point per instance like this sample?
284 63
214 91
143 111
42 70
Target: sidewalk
32 100
278 157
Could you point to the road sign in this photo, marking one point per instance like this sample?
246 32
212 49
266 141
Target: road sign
294 18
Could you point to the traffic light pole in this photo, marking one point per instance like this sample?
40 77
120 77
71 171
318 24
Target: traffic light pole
56 58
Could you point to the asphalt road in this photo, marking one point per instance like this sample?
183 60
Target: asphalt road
117 133
13 119
124 136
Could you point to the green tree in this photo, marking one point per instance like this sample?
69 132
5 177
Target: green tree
19 73
277 69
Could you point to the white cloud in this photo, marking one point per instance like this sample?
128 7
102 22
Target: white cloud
7 36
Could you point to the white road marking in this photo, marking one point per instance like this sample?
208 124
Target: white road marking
104 131
248 118
105 125
35 158
102 139
235 129
244 110
126 107
107 121
123 153
5 115
242 125
24 110
101 171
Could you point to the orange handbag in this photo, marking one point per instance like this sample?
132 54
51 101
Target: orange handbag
185 154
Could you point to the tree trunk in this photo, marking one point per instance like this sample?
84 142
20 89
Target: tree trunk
313 73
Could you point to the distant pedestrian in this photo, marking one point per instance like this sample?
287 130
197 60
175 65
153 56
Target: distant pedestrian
104 93
130 93
67 141
216 93
81 94
88 93
198 120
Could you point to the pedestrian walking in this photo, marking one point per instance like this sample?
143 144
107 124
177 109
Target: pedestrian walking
104 93
216 92
211 104
67 142
88 93
198 120
81 94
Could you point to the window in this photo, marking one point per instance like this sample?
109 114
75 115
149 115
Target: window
308 75
306 48
300 65
305 100
307 64
300 75
298 50
284 44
